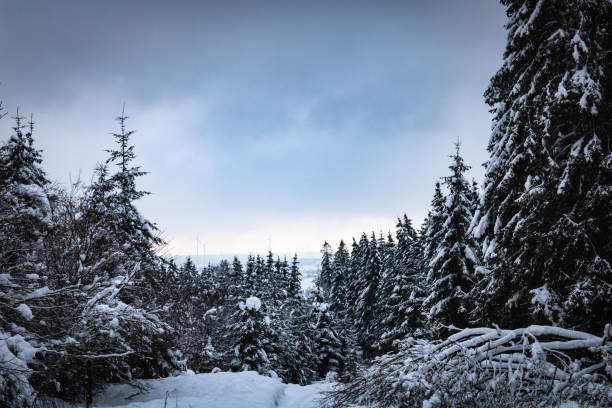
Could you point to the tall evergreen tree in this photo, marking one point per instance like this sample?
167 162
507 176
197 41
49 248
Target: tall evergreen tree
253 335
433 228
359 251
388 277
368 281
328 345
294 287
339 282
236 279
402 314
545 221
452 268
326 273
25 221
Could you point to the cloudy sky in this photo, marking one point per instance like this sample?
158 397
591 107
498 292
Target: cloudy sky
260 122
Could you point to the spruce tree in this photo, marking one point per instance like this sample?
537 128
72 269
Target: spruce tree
327 344
402 314
451 274
326 274
25 222
368 281
359 254
236 282
433 228
252 334
388 277
545 221
339 282
294 287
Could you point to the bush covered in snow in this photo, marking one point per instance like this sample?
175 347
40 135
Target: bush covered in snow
533 366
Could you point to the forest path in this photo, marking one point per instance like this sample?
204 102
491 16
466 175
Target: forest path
308 396
220 390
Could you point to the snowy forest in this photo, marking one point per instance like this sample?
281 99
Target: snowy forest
502 297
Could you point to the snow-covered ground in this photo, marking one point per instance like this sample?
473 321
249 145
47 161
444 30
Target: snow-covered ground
219 390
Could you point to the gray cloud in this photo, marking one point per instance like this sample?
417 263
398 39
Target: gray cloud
259 113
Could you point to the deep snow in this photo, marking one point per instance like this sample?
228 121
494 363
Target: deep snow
219 390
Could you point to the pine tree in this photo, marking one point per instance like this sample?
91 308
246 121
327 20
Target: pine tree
25 222
252 335
367 283
135 230
388 278
359 252
545 220
236 282
326 274
339 282
250 277
25 207
452 269
402 314
294 287
434 226
328 346
298 361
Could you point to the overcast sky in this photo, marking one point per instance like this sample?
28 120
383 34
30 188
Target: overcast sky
290 122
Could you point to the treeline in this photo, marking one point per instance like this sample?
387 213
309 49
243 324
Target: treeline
412 283
254 317
85 299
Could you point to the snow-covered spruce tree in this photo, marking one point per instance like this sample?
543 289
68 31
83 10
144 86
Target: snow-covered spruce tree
298 360
25 220
451 273
185 313
433 226
326 274
294 285
260 279
252 333
108 317
358 258
139 236
327 343
249 275
285 274
386 284
338 284
545 221
236 282
367 282
403 312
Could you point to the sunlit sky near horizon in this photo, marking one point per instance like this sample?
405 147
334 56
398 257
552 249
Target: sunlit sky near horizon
261 123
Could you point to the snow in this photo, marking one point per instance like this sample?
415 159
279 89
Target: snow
40 292
524 30
469 254
218 390
5 279
482 226
25 311
541 295
253 303
16 345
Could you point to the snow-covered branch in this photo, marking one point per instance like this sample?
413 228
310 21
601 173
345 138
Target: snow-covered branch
480 366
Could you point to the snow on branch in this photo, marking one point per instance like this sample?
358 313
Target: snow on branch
536 365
